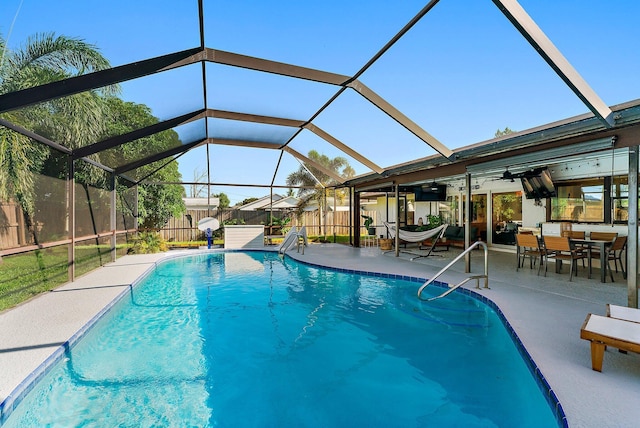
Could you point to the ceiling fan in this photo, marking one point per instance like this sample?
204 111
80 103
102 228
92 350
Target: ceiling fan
508 175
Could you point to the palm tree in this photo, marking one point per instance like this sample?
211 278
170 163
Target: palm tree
73 121
315 181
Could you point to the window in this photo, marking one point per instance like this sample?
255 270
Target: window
620 198
580 201
506 216
448 210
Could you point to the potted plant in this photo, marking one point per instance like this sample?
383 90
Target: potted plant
368 221
433 221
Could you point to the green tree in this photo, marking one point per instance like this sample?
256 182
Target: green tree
72 120
502 133
224 199
246 201
156 203
309 176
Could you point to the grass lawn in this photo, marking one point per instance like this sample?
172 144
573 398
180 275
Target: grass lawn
23 276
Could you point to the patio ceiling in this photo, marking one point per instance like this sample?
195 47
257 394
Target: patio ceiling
233 109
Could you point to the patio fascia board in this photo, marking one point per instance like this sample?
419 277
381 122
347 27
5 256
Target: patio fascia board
572 130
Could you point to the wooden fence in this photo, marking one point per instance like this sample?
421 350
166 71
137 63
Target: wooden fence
12 226
185 228
13 231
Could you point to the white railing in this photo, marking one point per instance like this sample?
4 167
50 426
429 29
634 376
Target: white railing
476 277
290 239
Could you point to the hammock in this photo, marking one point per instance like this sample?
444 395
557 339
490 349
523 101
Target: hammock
408 236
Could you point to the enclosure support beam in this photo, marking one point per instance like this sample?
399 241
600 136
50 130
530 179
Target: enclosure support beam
71 212
467 222
350 218
113 217
356 219
397 237
632 240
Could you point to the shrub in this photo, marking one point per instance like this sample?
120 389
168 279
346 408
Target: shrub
148 243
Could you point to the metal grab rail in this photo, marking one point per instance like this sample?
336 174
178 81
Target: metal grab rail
476 277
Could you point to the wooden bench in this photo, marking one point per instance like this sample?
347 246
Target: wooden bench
623 313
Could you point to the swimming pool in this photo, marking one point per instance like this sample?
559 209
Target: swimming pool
249 339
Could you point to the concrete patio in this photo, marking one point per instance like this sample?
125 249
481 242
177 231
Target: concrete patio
546 313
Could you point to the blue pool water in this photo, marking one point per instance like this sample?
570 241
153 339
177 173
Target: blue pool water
248 339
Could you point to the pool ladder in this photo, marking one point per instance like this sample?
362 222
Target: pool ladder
476 277
295 238
289 241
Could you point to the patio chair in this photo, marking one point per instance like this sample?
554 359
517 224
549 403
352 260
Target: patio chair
603 236
529 246
613 252
559 248
574 234
608 331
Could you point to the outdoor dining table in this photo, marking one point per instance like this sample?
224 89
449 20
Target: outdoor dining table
601 245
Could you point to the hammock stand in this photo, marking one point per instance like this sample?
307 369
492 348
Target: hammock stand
436 234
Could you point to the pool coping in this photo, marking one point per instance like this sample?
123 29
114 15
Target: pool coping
15 397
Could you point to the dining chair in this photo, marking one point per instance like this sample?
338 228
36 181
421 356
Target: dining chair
559 248
529 246
574 234
614 252
603 236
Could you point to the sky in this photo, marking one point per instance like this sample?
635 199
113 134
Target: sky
461 73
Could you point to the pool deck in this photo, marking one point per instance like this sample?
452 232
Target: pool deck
546 313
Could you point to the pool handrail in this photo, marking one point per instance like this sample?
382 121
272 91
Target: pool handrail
476 277
290 239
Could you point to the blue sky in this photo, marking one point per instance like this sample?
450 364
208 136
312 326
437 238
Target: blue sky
461 73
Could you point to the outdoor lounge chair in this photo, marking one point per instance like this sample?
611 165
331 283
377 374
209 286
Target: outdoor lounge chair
434 234
623 313
607 331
